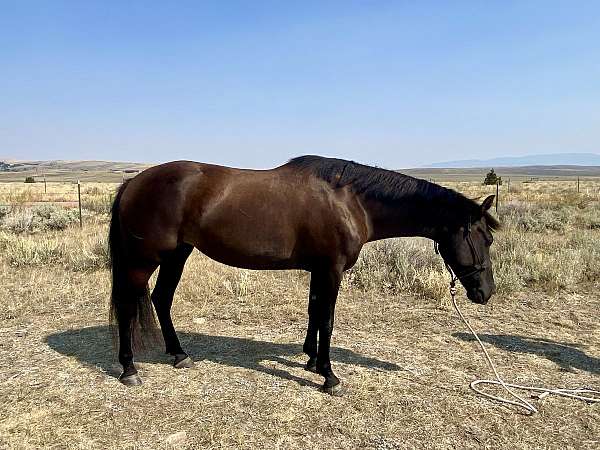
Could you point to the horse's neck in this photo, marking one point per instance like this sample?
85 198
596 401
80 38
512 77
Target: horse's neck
403 217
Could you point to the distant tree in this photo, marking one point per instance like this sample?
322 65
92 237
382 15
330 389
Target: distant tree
29 180
492 178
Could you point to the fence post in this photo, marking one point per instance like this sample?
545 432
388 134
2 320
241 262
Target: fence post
45 188
509 185
578 185
497 194
79 199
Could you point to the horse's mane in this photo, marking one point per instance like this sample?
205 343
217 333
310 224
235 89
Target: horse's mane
389 186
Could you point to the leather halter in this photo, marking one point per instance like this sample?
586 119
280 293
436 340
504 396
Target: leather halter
479 264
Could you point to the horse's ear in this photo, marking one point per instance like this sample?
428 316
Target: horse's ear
487 203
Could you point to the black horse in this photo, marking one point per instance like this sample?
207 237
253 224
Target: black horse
312 213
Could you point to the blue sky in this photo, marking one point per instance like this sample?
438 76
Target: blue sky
397 84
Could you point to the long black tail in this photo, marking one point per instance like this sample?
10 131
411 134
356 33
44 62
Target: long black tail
142 321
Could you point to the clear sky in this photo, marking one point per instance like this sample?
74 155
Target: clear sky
252 83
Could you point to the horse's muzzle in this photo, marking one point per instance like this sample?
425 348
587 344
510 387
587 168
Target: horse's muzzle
479 296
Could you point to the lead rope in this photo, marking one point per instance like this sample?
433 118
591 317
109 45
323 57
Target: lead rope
592 397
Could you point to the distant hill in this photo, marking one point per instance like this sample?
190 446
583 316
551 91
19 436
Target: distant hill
90 171
40 166
12 170
556 159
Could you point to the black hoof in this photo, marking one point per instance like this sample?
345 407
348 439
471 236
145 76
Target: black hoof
183 362
311 365
131 380
335 390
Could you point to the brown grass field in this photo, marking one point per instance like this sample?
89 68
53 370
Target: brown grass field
402 353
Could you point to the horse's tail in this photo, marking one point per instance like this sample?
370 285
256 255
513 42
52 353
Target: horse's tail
140 314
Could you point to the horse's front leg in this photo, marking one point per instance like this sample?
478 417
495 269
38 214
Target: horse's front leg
327 284
310 343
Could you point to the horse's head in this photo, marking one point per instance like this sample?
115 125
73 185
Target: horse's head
466 249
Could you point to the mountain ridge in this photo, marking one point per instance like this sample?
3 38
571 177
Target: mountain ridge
549 159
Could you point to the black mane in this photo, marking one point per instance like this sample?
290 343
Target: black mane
389 186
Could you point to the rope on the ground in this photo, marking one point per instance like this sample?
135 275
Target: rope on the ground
592 395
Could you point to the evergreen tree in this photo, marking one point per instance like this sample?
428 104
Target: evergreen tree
492 178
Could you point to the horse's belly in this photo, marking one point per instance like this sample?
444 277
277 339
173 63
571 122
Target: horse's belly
248 247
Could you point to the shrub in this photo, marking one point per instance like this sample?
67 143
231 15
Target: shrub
92 255
535 218
51 217
38 218
99 204
29 180
18 221
400 265
85 253
27 252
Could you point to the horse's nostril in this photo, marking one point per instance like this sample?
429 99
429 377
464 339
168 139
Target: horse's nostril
481 297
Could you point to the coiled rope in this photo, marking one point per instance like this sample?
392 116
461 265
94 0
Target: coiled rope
585 394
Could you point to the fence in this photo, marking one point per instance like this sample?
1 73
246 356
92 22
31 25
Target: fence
97 196
94 196
531 189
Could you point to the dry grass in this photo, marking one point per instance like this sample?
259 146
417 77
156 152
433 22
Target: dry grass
399 349
22 193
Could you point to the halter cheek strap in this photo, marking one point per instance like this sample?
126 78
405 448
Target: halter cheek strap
479 264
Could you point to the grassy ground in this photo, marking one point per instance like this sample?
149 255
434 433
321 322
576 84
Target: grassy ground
400 350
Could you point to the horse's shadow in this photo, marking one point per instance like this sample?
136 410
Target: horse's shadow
93 346
567 355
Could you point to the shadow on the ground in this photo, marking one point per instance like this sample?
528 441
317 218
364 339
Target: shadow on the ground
567 355
93 346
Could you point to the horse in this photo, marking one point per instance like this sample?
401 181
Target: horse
312 213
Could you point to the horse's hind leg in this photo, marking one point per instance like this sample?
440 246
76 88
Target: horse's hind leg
134 315
168 277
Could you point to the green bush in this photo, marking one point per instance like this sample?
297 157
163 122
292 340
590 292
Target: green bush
29 180
492 179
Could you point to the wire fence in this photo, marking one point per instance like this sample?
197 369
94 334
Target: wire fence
98 195
92 196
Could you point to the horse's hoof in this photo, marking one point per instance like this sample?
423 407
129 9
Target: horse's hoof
185 363
335 390
311 366
131 380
